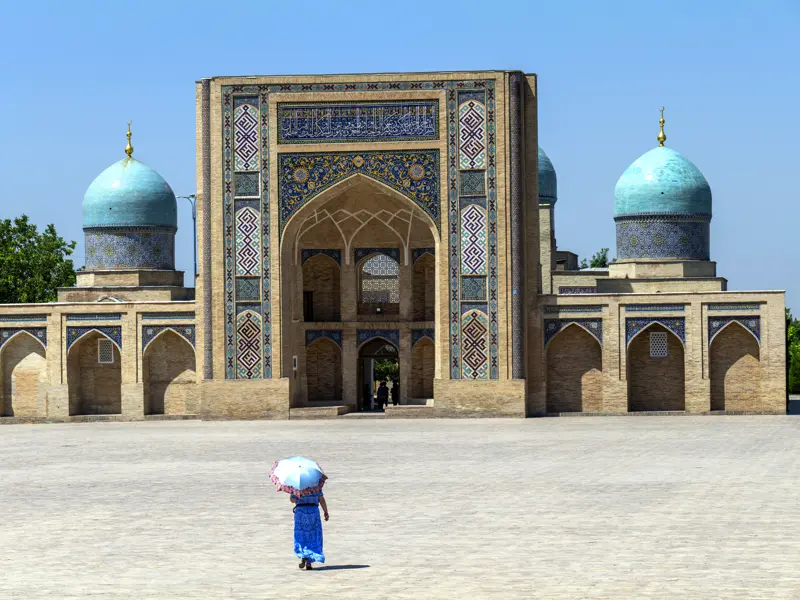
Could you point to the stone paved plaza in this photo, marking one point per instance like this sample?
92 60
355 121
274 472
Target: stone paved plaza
607 507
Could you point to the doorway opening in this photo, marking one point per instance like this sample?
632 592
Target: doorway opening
378 375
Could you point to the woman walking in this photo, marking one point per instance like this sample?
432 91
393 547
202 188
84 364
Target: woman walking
308 528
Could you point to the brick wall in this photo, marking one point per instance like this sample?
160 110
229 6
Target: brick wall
655 383
422 367
94 388
735 370
574 367
321 278
24 373
324 371
170 378
424 289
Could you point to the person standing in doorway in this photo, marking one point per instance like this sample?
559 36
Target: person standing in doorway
395 392
383 395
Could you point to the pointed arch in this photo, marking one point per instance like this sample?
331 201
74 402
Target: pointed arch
635 327
23 376
574 370
656 383
322 296
42 340
553 327
735 368
148 342
76 334
95 388
169 374
728 322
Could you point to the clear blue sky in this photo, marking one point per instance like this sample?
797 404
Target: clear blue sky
73 74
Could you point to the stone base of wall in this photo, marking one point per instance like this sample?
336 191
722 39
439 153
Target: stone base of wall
253 399
504 398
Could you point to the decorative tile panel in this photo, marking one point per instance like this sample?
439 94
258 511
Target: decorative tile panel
22 318
473 183
310 252
114 333
413 173
474 253
657 236
390 335
469 306
335 335
151 332
472 134
655 307
132 249
168 316
245 136
569 289
418 334
473 288
676 325
554 326
417 253
717 324
474 331
248 289
249 361
94 317
734 307
246 184
349 122
38 333
248 247
360 254
586 308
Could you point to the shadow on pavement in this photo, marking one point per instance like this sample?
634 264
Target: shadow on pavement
340 567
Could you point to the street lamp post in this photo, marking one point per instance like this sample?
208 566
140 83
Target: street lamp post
192 198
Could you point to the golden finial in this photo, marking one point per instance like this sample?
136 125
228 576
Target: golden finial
662 137
129 148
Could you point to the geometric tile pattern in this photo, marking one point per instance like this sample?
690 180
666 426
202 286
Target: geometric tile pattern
734 306
360 254
310 122
473 183
418 253
585 308
676 325
310 252
472 135
473 288
659 237
413 173
151 332
248 289
473 241
94 317
456 92
113 333
390 335
180 316
22 318
418 334
567 290
655 307
593 326
38 333
109 249
246 184
248 345
245 121
658 344
475 330
335 335
248 255
717 324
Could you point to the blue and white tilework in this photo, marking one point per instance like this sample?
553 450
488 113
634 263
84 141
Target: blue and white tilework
113 333
94 317
151 332
335 335
586 308
676 325
751 323
417 253
37 333
311 252
390 335
22 318
658 236
553 326
360 254
735 307
168 316
655 307
418 334
106 249
569 289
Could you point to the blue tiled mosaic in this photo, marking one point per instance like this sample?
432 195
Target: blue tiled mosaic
553 326
248 288
390 335
660 237
468 306
22 318
473 288
151 332
113 333
418 334
473 183
734 307
165 316
655 307
94 317
145 250
312 122
676 325
413 173
37 333
588 308
246 184
362 253
717 324
334 254
569 289
417 253
335 335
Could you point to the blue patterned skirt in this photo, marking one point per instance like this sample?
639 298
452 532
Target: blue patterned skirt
308 533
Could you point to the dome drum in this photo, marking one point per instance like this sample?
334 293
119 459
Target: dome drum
135 248
679 237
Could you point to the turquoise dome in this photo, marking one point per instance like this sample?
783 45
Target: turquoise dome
130 194
662 181
548 183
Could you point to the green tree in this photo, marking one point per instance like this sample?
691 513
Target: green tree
793 352
386 369
598 261
33 265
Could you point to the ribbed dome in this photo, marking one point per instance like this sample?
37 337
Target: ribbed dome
548 183
662 181
130 194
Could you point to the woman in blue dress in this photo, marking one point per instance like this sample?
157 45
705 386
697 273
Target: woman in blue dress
308 528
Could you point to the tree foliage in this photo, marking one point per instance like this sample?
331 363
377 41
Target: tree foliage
598 261
33 265
793 352
386 369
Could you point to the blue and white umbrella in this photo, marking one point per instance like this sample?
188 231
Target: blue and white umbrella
297 475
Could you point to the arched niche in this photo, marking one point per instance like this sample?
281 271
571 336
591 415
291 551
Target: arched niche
574 371
169 376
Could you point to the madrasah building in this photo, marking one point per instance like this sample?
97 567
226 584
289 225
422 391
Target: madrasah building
349 219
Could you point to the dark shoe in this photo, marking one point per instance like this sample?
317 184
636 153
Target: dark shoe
303 564
308 565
